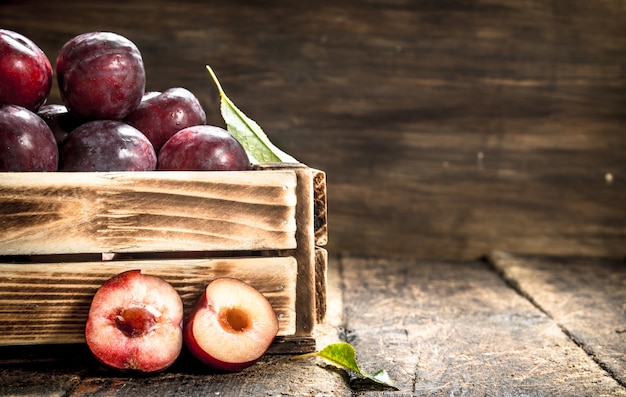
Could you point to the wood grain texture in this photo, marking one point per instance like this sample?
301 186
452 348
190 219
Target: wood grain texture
319 200
447 129
49 302
61 213
30 382
585 296
305 253
310 193
320 207
76 373
456 328
321 284
273 375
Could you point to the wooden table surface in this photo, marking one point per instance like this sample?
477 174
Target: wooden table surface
505 326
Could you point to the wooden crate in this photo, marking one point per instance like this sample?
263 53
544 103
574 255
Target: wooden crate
266 226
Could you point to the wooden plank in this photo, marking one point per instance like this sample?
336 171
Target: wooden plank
273 375
24 382
321 284
49 302
71 370
56 213
311 192
456 328
320 207
305 254
585 296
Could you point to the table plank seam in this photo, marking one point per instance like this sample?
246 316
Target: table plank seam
494 260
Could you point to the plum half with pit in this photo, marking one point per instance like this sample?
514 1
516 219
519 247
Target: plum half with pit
232 325
26 142
203 148
134 323
107 145
25 71
100 75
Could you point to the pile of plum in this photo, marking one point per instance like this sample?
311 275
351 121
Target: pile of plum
107 121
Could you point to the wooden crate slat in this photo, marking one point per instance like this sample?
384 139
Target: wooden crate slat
310 184
305 254
321 284
49 302
52 213
320 213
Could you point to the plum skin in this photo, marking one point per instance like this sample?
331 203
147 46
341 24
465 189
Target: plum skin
203 148
162 114
27 144
25 71
60 121
100 75
107 145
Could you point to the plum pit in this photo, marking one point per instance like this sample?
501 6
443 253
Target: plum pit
135 321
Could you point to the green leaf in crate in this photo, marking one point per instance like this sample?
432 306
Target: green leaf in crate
342 354
248 132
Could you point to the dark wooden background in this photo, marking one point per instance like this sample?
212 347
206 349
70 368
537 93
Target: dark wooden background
447 128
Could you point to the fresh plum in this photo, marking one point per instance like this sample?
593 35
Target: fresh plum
26 141
107 145
59 119
100 75
134 323
162 115
203 148
25 71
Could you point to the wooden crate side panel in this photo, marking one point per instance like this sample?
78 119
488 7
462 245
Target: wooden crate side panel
49 302
311 227
305 254
321 283
320 212
319 200
47 213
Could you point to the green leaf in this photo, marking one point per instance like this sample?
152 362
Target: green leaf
343 355
248 132
382 377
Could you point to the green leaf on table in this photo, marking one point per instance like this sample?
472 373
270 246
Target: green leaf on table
342 354
248 132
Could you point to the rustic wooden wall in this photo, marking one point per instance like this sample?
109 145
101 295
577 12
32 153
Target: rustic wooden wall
446 128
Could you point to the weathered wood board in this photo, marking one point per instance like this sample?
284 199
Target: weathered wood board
49 302
63 213
274 375
585 296
465 125
445 328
